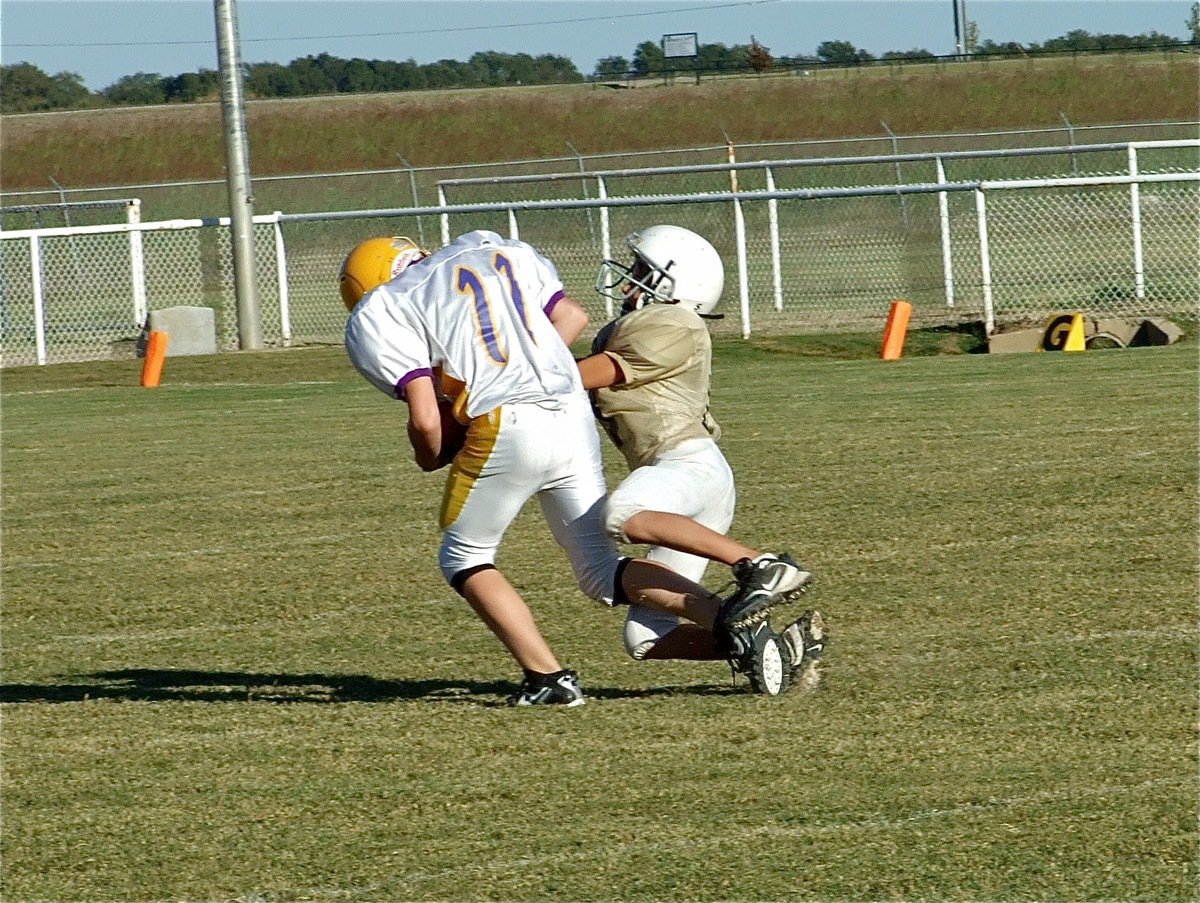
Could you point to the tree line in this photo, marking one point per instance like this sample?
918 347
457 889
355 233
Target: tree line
26 88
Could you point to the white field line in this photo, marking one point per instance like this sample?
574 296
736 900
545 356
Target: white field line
1156 633
352 611
73 389
55 561
691 845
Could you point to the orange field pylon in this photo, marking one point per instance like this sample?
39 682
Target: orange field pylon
156 353
896 330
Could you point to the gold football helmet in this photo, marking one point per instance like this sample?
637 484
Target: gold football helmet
374 262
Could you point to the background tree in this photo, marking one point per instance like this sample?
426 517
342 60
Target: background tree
648 57
313 75
612 67
359 76
837 53
27 88
204 84
915 55
140 89
758 56
1008 48
24 88
271 80
551 68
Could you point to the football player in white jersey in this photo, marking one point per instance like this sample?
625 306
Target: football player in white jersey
649 378
479 330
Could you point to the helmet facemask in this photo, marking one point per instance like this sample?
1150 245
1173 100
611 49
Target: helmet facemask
637 285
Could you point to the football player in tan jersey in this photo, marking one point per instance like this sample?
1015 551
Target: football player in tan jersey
649 378
491 314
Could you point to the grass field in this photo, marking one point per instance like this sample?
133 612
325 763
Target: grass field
232 671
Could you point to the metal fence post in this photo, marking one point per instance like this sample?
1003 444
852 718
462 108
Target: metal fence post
445 217
944 219
1070 142
739 222
773 219
412 184
605 239
899 174
583 183
985 263
137 264
281 276
1135 211
39 309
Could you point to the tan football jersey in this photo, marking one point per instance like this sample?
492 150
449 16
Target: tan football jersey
665 354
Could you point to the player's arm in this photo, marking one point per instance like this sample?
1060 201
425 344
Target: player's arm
568 318
424 423
638 355
599 371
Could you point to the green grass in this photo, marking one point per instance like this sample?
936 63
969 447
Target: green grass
232 671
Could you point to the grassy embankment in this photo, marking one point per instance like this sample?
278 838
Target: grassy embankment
130 146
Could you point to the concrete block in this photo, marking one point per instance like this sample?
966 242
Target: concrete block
1122 330
192 330
1015 341
1156 331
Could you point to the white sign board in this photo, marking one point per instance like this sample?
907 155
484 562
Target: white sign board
676 45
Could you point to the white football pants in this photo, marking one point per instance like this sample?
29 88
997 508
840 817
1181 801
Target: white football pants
692 479
518 451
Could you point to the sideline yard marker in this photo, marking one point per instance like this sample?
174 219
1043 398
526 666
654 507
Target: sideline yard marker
1064 332
896 330
156 352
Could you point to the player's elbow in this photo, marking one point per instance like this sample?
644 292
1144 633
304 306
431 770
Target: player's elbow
569 319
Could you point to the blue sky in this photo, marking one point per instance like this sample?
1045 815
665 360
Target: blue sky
104 40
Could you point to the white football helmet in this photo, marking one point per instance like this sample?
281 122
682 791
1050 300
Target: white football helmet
671 265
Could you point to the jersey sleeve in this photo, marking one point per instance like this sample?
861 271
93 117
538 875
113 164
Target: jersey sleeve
543 275
650 348
386 351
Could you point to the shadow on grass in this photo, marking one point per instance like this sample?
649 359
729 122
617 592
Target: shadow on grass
157 685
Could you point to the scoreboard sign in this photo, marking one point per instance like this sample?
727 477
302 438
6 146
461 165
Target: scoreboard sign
680 45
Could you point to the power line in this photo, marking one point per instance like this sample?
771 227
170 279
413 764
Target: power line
425 31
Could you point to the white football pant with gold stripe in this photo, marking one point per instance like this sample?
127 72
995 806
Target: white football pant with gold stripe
513 453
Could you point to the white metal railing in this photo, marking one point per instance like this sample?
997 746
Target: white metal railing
769 167
158 276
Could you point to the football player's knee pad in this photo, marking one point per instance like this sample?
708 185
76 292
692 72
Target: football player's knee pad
616 513
643 629
458 562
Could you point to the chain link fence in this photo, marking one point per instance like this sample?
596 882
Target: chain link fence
797 259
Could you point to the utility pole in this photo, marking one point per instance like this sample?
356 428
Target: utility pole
237 175
958 31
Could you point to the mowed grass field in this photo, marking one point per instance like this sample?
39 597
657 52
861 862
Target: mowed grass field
233 672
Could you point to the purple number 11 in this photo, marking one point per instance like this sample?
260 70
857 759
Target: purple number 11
468 280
